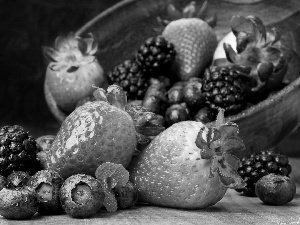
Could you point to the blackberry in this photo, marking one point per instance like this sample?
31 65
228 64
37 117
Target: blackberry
155 55
129 76
256 166
222 87
17 151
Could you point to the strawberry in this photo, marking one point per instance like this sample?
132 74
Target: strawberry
97 132
194 41
71 71
258 50
188 165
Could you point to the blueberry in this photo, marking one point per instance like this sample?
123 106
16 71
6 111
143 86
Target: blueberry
46 184
177 113
81 196
18 203
275 189
126 196
204 115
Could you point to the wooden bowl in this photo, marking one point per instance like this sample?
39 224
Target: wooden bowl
121 29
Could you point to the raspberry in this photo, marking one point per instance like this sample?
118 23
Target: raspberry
111 176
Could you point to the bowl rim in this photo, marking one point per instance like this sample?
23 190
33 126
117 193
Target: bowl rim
239 116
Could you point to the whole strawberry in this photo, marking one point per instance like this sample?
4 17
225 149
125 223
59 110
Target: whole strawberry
71 71
188 165
94 133
259 51
194 41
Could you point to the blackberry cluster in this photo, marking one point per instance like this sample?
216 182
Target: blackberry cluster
129 76
155 54
256 166
17 151
222 87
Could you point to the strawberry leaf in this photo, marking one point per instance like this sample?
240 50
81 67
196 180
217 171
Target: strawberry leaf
241 24
203 10
173 13
51 54
146 124
220 118
231 55
273 36
259 27
100 94
265 70
189 10
228 130
116 96
92 45
233 144
229 176
232 160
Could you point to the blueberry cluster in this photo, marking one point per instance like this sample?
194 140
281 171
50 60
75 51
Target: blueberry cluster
46 192
256 166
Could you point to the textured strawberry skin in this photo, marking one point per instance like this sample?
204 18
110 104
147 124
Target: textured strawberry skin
170 171
67 88
195 42
94 133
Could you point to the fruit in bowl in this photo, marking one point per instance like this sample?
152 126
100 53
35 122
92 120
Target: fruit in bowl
263 123
72 70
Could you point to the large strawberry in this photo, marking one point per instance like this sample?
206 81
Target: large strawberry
194 40
189 165
97 132
72 70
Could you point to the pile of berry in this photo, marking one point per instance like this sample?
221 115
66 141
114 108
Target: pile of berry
256 166
80 195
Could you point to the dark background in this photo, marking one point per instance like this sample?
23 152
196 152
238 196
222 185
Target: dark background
26 26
